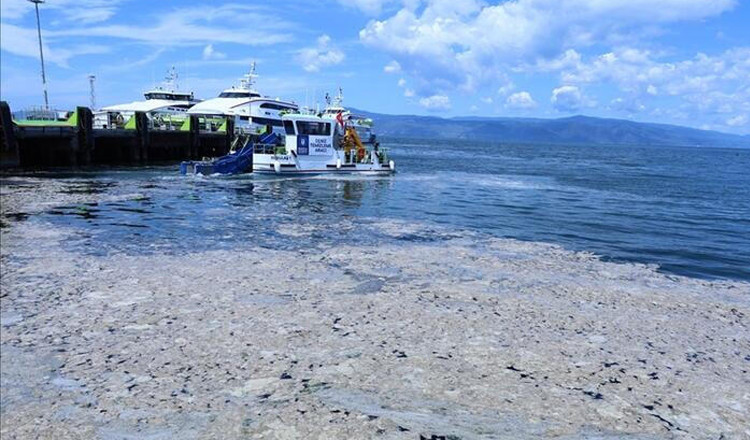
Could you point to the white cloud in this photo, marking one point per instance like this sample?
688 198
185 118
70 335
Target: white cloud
571 58
209 53
627 105
392 67
569 99
313 58
371 7
486 99
467 43
14 9
506 88
409 93
700 87
401 82
78 11
130 65
521 101
230 23
738 121
23 42
435 102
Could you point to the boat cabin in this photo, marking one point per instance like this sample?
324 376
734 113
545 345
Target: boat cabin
308 135
239 93
169 95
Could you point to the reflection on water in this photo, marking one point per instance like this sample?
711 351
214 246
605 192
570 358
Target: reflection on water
686 209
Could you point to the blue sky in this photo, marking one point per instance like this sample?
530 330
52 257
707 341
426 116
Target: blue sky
684 62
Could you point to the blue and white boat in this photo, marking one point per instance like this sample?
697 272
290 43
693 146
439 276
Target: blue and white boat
320 144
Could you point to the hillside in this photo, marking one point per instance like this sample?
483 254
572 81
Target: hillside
570 130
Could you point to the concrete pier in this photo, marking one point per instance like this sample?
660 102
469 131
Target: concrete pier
76 143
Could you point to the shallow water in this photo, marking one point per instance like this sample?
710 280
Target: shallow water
684 209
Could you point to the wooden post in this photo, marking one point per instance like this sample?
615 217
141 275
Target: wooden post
9 154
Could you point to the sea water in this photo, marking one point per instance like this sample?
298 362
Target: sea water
684 209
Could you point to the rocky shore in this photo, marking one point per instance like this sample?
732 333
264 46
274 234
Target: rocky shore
457 336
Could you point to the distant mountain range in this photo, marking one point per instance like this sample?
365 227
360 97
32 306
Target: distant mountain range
571 130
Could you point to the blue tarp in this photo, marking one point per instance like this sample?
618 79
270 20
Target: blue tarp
233 163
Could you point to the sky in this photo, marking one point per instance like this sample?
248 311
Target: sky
684 62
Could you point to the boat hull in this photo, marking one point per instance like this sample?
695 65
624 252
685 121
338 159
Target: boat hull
287 164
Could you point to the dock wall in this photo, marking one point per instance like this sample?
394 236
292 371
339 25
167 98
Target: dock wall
76 143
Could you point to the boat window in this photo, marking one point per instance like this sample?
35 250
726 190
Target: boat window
289 127
234 95
314 128
275 106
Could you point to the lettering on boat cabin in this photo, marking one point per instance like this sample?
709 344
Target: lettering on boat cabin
308 145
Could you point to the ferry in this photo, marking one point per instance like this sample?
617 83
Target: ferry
164 105
252 112
316 144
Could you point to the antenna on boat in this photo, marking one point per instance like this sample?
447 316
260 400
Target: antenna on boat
248 80
339 100
170 81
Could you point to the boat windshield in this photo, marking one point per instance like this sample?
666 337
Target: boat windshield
314 128
289 127
167 96
238 95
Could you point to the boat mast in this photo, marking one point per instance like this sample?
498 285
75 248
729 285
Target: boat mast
339 101
247 81
170 81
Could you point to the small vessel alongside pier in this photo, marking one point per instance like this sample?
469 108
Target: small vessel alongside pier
325 143
317 144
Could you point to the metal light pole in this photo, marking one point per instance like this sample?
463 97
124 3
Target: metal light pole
92 78
41 53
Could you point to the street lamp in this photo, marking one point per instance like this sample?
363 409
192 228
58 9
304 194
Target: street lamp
41 53
92 78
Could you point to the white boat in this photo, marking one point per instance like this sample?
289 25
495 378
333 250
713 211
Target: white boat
163 104
252 112
317 144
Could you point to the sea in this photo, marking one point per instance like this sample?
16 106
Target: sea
685 210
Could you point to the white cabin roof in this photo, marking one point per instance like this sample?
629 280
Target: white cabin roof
218 106
229 106
305 117
148 105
